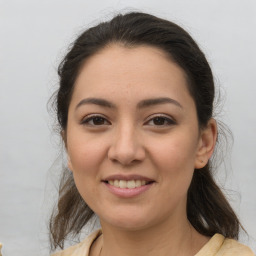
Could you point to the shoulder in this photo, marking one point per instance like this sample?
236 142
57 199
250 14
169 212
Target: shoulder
218 245
81 249
233 247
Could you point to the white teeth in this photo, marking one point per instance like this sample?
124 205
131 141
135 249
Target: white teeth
131 184
122 184
116 183
137 183
127 184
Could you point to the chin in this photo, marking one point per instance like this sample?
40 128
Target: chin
129 222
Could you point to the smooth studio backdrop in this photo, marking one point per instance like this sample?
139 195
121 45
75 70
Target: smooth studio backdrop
34 37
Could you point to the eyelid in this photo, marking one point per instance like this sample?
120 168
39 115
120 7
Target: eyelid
169 119
85 120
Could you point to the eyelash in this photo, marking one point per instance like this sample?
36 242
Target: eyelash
103 121
93 118
167 120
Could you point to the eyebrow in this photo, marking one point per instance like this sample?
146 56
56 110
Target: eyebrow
157 101
96 101
142 104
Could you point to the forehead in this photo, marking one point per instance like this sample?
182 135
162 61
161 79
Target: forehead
135 72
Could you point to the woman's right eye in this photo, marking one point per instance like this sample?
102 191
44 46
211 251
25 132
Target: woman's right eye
95 121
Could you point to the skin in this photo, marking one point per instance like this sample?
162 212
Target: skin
162 142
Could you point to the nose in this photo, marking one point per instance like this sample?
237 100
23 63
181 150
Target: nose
126 146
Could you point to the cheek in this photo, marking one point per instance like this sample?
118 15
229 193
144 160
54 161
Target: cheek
85 155
174 157
176 150
85 158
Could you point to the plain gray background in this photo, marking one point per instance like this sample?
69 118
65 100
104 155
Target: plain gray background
35 35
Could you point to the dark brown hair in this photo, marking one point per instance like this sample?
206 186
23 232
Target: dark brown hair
207 208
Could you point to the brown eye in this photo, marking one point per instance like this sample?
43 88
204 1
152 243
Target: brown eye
95 121
160 121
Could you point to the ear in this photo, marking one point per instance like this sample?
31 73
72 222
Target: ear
206 144
64 138
70 167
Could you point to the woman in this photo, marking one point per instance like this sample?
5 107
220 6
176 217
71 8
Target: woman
135 107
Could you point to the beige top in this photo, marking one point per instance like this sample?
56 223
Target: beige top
218 245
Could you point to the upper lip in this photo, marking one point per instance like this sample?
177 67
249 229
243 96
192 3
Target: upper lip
127 177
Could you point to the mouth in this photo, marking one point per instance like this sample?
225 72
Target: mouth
129 184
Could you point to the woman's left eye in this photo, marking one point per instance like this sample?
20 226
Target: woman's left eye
160 121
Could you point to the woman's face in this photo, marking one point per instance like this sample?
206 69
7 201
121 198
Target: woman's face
132 137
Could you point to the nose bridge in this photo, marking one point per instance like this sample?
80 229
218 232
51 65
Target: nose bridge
126 137
126 146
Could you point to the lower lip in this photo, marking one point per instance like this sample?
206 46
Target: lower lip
128 192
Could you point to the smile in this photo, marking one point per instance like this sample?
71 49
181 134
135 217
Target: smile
128 186
128 183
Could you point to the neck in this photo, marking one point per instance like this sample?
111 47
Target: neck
177 239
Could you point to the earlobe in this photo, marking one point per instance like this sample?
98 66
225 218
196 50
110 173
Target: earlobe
64 138
206 144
